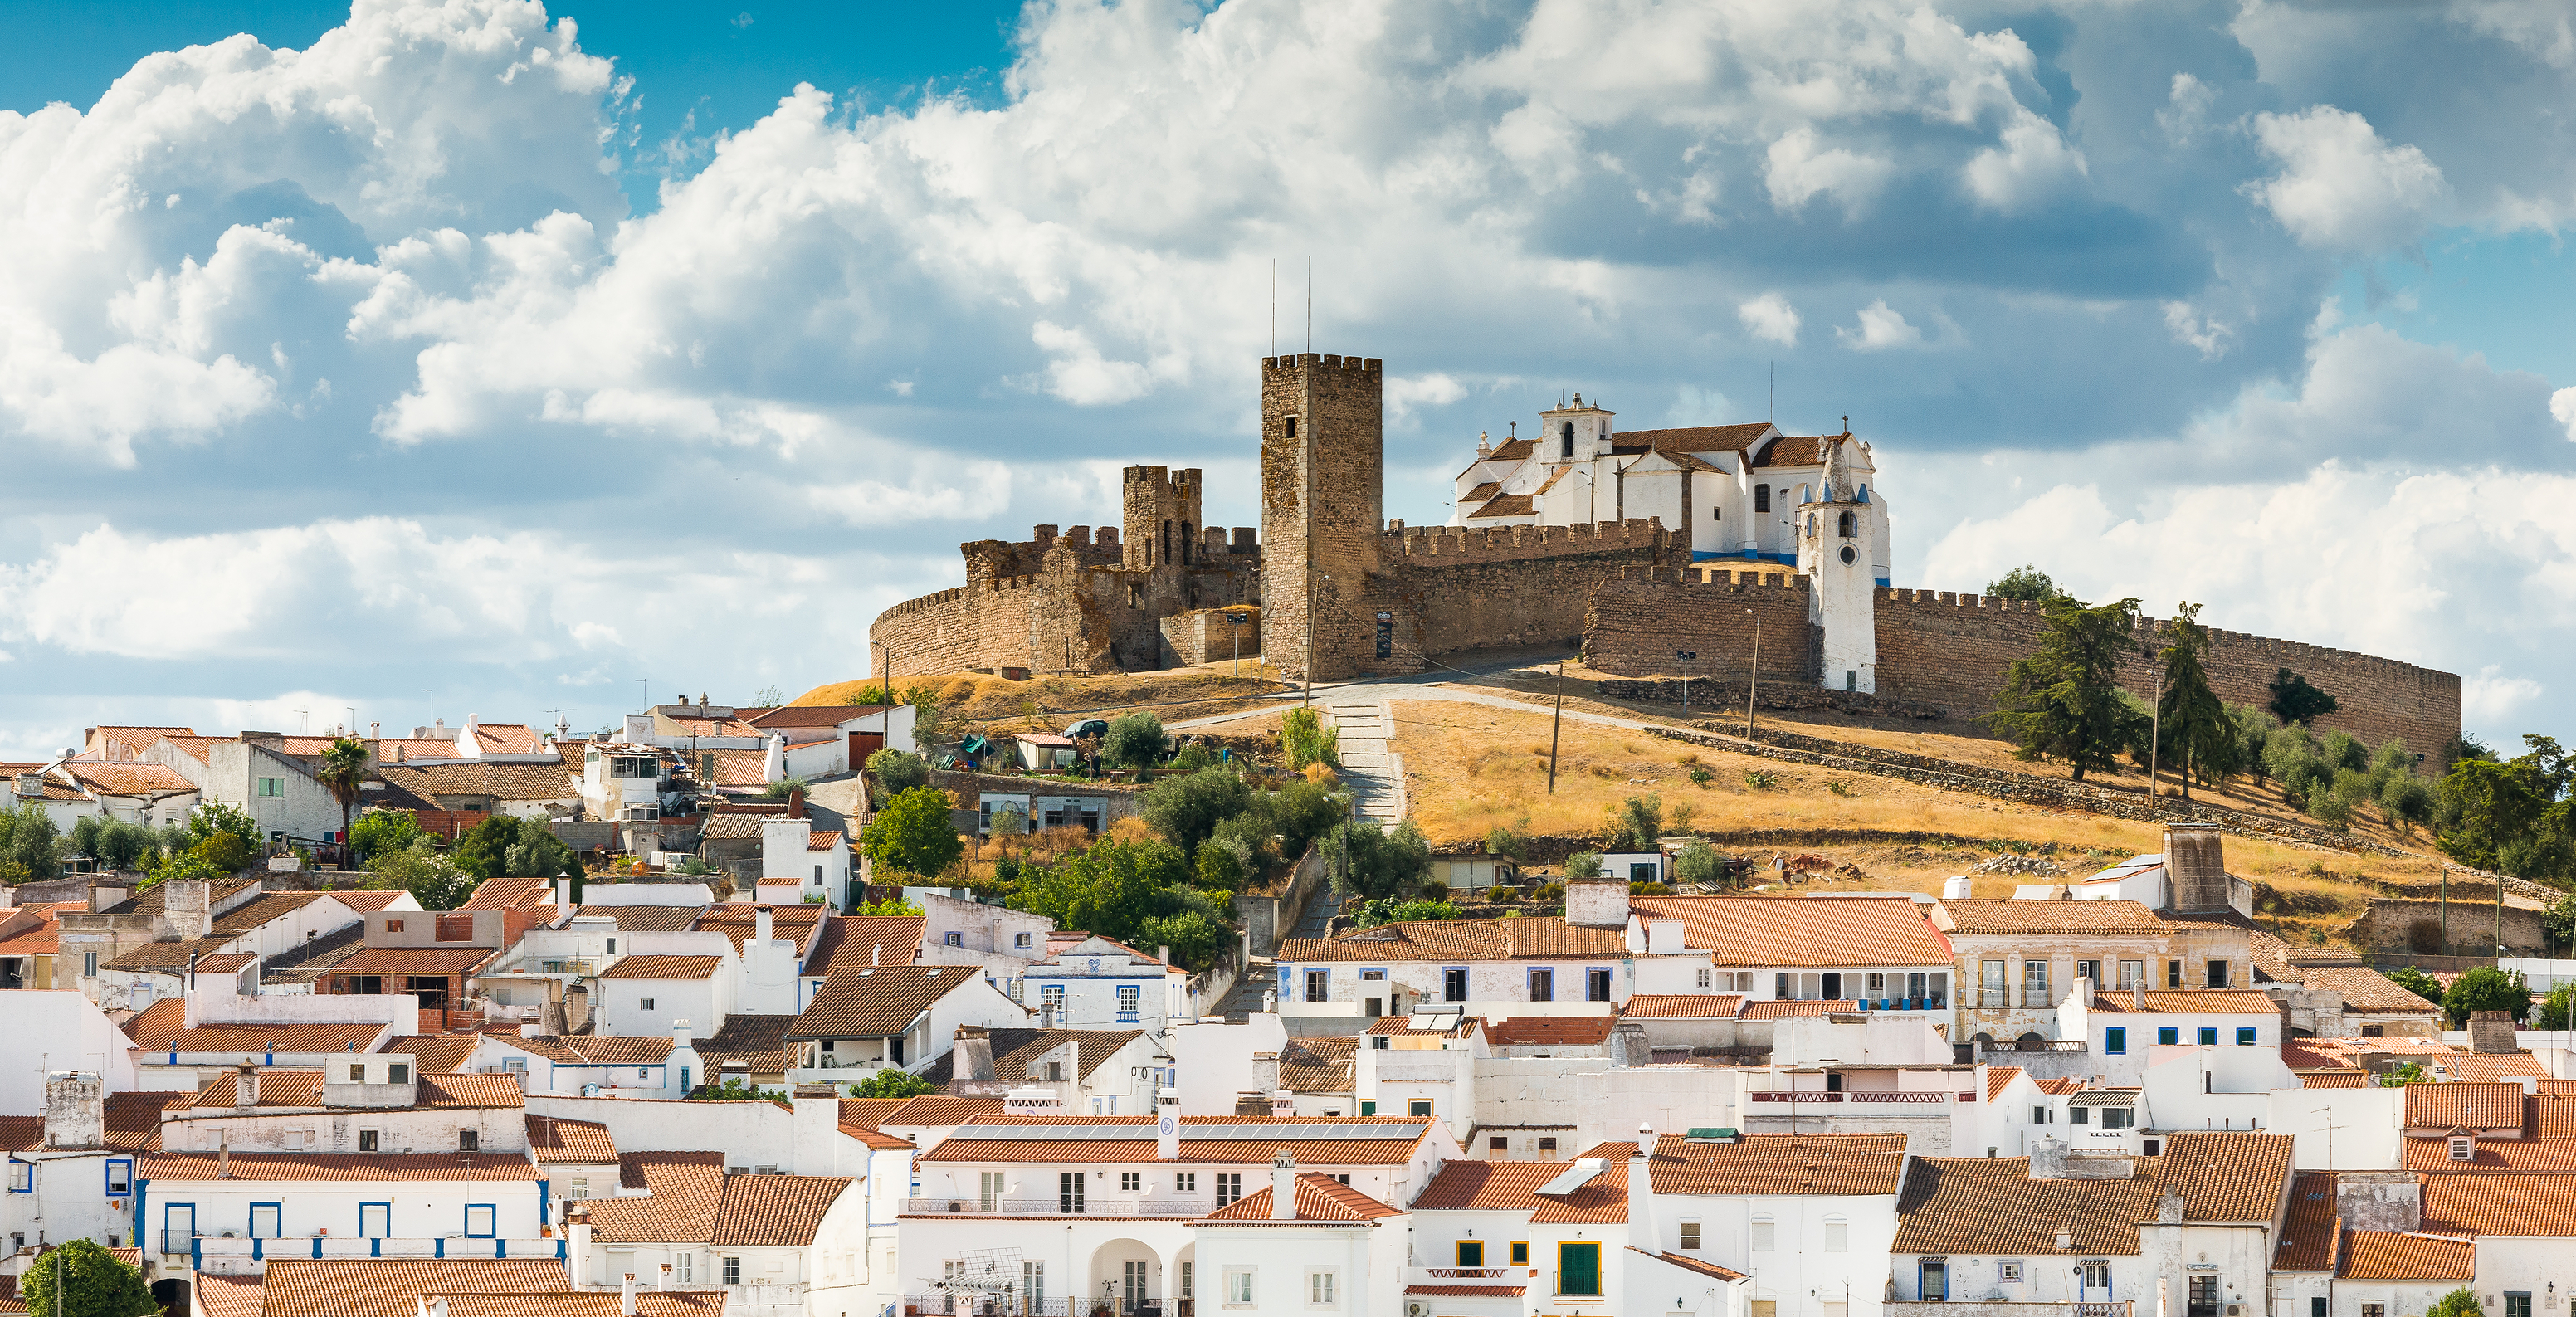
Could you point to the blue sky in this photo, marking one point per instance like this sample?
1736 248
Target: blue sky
461 347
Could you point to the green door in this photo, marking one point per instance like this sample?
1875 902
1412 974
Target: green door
1578 1268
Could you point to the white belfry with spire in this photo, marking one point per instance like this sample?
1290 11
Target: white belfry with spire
1838 534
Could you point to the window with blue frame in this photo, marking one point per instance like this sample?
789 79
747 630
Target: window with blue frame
375 1220
266 1219
178 1226
482 1220
2245 1036
2207 1037
120 1176
2168 1036
2115 1042
22 1177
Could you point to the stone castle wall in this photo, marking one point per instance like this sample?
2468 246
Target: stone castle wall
1951 650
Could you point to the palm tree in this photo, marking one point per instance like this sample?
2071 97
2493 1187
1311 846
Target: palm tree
344 770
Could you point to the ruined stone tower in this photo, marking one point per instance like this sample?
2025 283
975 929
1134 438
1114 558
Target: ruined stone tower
1161 517
1323 509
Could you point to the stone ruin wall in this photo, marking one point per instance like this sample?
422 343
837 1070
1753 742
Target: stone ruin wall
1455 590
1950 650
1073 608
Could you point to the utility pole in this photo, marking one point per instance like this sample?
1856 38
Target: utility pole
1686 655
2446 909
1556 727
1757 673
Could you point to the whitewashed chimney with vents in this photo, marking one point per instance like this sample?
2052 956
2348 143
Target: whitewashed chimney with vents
1283 1186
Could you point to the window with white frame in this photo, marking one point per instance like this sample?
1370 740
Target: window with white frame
1322 1287
1707 978
1129 996
988 1192
1238 1287
1020 941
1837 1235
683 1266
1762 1234
2008 1271
1690 1235
1131 1182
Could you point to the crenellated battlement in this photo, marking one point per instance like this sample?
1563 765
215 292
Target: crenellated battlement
1438 546
1288 362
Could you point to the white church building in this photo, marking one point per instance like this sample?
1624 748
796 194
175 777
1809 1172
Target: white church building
1738 491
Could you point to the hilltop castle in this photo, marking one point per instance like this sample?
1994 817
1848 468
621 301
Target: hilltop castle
1632 545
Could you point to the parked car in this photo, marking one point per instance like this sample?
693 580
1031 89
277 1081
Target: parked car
1087 728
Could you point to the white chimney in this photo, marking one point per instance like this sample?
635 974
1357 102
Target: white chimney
468 745
1954 889
1167 1125
1283 1186
577 1256
1641 1193
663 1281
773 764
563 897
626 1295
760 925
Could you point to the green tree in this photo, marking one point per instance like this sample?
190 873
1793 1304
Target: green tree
1637 823
484 850
898 771
226 852
736 1090
122 844
778 790
892 1082
2196 729
93 1284
84 835
1307 740
1512 842
1135 740
215 816
2026 582
2295 701
2493 813
31 841
1583 864
431 878
1384 863
2253 734
913 834
2461 1302
1699 862
2418 982
1187 809
2063 700
2411 1072
343 772
1194 939
1225 863
2486 988
185 866
2558 1009
892 905
928 719
1109 889
381 830
538 853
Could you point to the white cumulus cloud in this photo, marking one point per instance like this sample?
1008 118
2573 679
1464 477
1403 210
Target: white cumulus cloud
2341 187
1881 327
1771 319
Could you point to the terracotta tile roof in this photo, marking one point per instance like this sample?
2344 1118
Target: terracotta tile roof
820 840
2226 1176
479 778
554 1139
2493 1068
994 1138
588 1303
846 942
1319 1065
1468 1291
738 920
1698 438
1319 1198
645 918
1779 1164
1829 933
2362 988
53 788
2333 1079
1548 938
263 909
774 1210
876 1003
367 900
733 827
134 1119
1550 1030
505 893
758 1041
1683 1006
165 957
219 1295
2550 1115
256 1038
1991 1206
1993 916
153 1026
1512 450
392 1287
2525 1155
436 1053
2190 1001
2474 1106
1795 450
2308 1228
811 715
136 778
18 1133
1513 1186
2520 1205
150 900
303 1088
869 1113
601 1049
1402 1026
2413 1255
1781 1010
939 1109
416 960
1505 505
1998 1078
1699 1265
389 1166
685 1189
692 968
1483 491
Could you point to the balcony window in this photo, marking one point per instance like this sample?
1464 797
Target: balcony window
2118 1118
481 1220
264 1220
1990 986
1471 1252
1578 1268
988 1189
1068 1191
2204 1297
375 1220
1129 997
2034 983
1319 985
2133 974
2090 971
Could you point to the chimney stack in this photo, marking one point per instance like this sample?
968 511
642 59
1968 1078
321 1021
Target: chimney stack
577 1252
760 926
2491 1033
2195 868
1283 1186
626 1295
1641 1192
662 1282
75 1110
1167 1125
2048 1158
1265 1073
245 1087
973 1053
795 802
224 1160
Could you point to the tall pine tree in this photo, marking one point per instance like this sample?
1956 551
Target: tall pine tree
2063 700
2194 727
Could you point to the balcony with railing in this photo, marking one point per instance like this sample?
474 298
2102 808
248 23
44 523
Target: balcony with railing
237 1256
2000 1308
1892 1101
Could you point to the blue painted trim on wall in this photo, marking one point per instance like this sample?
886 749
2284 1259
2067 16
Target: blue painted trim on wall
1743 555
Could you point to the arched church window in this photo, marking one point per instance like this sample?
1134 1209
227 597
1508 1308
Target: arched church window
1568 452
1762 498
1850 525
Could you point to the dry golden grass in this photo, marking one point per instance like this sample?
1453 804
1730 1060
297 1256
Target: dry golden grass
1048 703
1471 768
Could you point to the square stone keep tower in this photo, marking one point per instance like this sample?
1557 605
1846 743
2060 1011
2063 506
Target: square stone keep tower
1323 509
